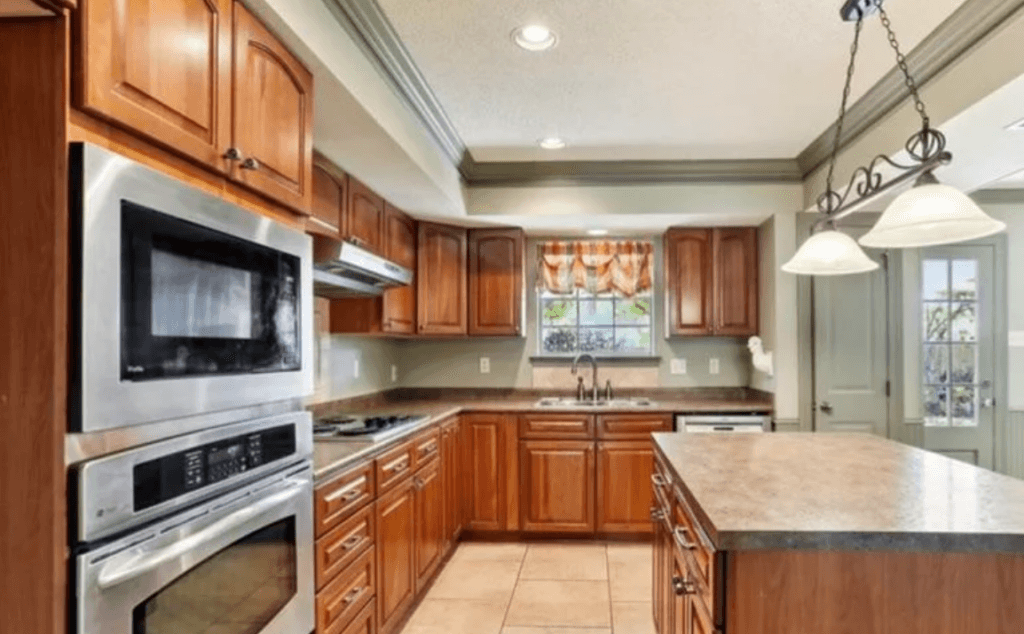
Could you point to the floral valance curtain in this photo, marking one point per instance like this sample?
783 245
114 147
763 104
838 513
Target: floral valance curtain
597 266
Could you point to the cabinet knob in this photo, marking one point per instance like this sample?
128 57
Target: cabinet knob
683 586
250 164
233 154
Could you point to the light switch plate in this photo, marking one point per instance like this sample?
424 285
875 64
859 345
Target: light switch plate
485 365
678 366
394 373
713 367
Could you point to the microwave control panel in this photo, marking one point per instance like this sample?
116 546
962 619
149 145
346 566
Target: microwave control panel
174 475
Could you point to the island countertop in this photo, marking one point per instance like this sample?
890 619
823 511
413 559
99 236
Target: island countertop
841 492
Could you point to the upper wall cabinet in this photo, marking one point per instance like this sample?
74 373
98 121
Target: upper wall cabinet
398 308
329 192
273 123
441 273
203 78
736 281
34 8
712 281
496 282
364 224
131 71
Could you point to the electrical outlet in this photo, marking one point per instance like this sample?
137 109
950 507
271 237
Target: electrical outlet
394 373
678 366
355 368
485 365
713 366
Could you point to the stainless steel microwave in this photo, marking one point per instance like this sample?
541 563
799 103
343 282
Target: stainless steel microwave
185 304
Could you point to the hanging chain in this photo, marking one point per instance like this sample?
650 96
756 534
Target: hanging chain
830 196
901 61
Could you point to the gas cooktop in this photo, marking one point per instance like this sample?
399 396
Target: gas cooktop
364 428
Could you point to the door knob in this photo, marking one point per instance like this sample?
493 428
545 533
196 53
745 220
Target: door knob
826 408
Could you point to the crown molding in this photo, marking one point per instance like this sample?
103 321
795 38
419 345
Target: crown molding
968 25
366 22
554 173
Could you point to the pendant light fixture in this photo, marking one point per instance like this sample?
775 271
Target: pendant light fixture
928 214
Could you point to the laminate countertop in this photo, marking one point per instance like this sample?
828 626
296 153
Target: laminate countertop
332 457
841 492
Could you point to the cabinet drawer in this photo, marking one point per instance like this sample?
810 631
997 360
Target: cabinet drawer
395 465
342 496
365 622
427 446
698 550
557 426
339 603
340 547
632 426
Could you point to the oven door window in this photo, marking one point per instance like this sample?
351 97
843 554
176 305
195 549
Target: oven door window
237 591
199 302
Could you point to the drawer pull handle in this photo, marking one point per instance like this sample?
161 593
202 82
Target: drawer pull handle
250 164
347 494
682 535
352 542
398 467
429 449
658 480
683 586
353 595
657 514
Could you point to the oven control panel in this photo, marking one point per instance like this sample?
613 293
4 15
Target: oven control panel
170 476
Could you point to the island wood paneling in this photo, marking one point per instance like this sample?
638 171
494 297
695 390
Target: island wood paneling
33 323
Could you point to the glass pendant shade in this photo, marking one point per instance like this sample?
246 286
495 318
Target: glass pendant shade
830 253
928 214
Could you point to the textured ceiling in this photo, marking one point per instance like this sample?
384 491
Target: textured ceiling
648 79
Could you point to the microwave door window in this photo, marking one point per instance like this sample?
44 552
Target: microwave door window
194 299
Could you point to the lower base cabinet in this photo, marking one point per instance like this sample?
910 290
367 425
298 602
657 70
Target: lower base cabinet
396 554
557 492
430 525
365 622
624 496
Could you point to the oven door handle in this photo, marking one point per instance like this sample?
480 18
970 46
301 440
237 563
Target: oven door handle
115 573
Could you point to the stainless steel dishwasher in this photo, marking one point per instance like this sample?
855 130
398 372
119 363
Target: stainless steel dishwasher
724 422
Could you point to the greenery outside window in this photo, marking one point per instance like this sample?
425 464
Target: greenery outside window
601 324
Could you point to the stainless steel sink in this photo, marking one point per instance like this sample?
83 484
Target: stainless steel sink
623 403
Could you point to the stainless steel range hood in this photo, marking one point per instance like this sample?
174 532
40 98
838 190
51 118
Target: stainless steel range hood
341 269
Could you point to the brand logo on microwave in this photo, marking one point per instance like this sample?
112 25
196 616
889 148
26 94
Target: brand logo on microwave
135 369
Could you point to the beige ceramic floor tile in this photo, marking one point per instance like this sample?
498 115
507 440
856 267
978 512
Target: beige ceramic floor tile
478 551
444 616
560 603
629 572
566 561
633 618
556 630
483 580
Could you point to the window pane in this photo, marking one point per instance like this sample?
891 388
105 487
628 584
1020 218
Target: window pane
965 279
965 360
964 407
935 279
596 312
964 322
559 312
558 340
632 340
596 340
936 407
635 311
936 321
936 364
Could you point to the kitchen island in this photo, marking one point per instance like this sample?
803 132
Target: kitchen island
830 534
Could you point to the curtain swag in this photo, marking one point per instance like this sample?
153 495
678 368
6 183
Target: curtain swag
597 266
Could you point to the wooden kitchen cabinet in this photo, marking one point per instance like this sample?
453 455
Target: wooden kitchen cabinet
272 127
442 287
329 192
396 554
430 491
632 426
340 602
496 282
451 469
557 485
624 497
364 223
398 308
712 281
130 72
736 281
556 426
487 467
365 622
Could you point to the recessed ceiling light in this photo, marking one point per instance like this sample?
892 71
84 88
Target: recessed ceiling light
597 232
552 143
534 37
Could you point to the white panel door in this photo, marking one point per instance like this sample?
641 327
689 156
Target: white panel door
851 330
957 362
